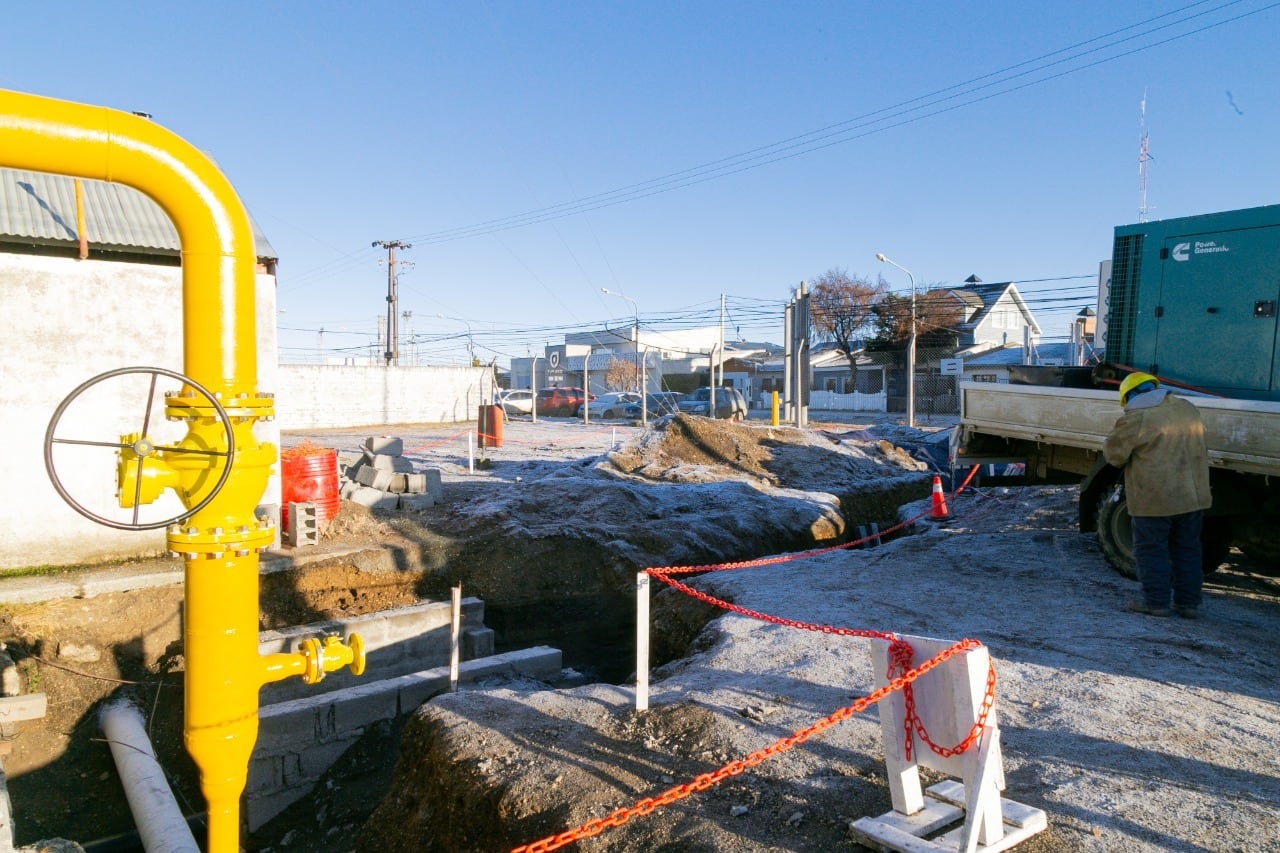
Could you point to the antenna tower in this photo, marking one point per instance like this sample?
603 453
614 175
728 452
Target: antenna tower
1143 156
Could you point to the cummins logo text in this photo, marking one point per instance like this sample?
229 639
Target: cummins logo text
1183 251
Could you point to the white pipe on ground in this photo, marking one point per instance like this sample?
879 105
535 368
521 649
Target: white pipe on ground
161 825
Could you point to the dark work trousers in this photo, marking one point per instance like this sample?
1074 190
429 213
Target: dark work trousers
1167 550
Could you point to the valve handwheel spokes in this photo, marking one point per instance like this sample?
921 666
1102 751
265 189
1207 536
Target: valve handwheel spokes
142 447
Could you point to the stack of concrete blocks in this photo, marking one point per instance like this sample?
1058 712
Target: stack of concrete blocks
305 728
304 525
382 478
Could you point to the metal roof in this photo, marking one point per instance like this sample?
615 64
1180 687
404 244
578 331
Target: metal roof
38 207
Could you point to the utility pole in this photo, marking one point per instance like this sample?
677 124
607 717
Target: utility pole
392 353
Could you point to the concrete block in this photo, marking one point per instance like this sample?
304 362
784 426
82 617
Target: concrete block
388 444
259 809
265 773
415 484
375 478
398 484
375 498
285 726
477 643
361 706
315 761
304 527
348 458
348 489
421 687
416 502
396 464
435 485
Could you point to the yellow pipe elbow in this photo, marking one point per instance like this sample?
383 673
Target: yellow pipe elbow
219 322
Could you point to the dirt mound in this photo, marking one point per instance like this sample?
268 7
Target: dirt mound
698 450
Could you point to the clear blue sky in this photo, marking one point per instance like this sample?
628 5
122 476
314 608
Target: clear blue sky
345 123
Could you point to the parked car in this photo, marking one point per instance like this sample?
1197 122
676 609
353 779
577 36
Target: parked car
563 402
658 404
610 405
729 403
516 401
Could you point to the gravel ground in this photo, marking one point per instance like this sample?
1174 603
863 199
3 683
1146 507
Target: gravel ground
1130 732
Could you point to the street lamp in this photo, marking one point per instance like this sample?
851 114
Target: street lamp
911 344
471 354
644 405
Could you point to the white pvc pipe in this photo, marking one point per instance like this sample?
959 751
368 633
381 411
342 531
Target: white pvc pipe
642 641
161 825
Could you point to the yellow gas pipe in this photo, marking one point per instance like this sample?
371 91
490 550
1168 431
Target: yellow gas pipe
220 544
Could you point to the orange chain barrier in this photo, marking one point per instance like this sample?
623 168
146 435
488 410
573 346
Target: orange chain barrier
734 768
900 653
441 443
597 431
900 656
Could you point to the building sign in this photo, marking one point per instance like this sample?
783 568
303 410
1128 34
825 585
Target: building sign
951 366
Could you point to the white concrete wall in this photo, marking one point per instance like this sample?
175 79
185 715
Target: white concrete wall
320 396
65 321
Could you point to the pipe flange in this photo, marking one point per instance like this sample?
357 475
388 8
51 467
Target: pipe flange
246 539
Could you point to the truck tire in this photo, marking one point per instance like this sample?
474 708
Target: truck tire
1115 532
1115 535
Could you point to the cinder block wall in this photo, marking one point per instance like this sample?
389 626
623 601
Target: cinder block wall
310 396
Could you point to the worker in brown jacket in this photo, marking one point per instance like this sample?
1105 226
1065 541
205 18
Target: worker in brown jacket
1159 442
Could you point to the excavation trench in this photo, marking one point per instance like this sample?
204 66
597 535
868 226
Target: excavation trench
553 557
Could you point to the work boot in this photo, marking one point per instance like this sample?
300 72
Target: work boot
1185 611
1137 605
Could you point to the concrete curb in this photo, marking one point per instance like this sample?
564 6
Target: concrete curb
162 571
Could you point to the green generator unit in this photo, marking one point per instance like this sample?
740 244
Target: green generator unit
1195 300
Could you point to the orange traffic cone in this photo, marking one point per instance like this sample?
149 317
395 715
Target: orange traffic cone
938 507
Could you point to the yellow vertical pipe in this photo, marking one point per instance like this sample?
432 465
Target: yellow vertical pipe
224 670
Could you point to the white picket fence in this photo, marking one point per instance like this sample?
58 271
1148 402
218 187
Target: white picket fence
855 402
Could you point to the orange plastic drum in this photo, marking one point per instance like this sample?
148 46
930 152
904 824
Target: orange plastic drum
309 473
490 426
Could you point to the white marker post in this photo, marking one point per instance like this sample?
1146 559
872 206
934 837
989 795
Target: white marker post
642 641
455 636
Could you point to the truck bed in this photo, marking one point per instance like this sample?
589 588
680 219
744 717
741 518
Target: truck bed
1242 435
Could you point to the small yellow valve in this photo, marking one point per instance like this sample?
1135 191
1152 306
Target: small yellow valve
330 655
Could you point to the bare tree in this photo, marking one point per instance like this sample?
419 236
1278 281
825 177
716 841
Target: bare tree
621 375
842 310
939 313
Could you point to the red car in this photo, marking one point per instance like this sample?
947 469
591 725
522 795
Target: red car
561 401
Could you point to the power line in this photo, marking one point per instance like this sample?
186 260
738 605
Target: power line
858 126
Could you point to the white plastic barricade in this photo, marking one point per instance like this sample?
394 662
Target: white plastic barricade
948 702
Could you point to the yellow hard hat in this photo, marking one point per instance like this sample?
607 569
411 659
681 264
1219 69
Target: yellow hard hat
1133 380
